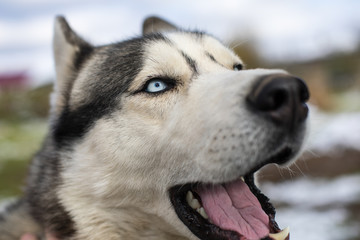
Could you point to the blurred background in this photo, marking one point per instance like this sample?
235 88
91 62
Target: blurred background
317 40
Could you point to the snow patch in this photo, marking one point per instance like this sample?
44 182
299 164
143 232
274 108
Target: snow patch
311 193
331 132
316 208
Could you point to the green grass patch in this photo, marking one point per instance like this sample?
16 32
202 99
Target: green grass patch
19 141
12 178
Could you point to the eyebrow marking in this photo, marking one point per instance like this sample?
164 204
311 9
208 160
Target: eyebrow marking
191 62
212 58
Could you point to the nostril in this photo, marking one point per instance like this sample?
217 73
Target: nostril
270 97
281 98
276 99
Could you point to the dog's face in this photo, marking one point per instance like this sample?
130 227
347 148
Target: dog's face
171 125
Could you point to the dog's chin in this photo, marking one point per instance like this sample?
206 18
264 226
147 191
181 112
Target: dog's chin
235 210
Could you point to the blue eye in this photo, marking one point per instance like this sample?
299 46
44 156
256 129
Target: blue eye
156 86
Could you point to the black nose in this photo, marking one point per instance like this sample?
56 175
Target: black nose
281 98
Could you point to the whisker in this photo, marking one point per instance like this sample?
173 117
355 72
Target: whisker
239 43
301 171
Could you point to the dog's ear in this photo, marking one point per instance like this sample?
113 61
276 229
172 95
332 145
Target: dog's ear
156 24
70 52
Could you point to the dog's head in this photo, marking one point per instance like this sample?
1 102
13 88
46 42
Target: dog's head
171 124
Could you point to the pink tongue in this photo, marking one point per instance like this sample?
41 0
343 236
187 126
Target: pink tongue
232 206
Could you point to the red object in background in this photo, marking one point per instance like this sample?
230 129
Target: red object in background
13 80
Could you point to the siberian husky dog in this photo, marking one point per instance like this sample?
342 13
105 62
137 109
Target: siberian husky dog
158 137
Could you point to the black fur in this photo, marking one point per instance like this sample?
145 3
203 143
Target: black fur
40 194
122 63
191 62
212 58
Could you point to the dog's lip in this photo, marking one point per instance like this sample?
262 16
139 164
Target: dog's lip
202 228
282 156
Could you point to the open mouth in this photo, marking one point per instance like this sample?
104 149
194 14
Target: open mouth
234 210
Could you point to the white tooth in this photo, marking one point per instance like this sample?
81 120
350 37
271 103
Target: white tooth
202 212
242 179
195 204
280 235
189 197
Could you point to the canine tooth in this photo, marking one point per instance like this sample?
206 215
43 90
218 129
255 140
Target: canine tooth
280 235
189 197
202 212
242 179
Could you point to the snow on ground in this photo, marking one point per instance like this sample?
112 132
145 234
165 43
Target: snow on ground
331 132
311 224
315 209
315 193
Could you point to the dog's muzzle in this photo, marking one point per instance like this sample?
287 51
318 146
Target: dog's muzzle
237 210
